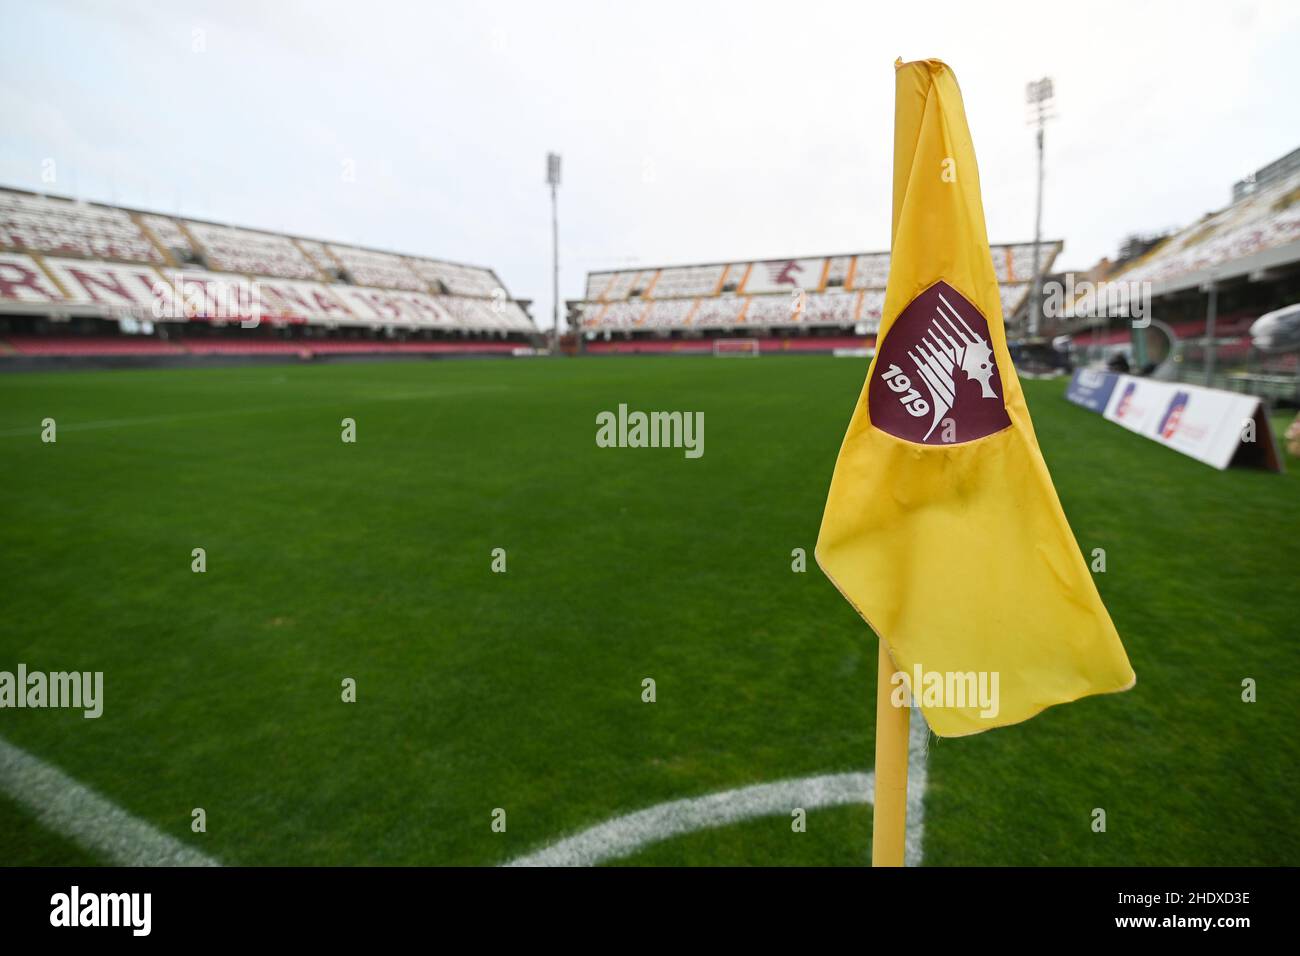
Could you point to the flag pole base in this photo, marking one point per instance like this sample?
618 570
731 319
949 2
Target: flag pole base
889 816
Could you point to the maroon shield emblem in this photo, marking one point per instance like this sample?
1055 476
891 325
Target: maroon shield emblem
934 381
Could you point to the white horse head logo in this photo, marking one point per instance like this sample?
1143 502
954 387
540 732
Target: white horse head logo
950 343
977 363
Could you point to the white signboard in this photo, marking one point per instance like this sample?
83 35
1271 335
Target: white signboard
1207 424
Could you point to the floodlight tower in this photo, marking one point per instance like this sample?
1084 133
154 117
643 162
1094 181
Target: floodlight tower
553 180
1038 97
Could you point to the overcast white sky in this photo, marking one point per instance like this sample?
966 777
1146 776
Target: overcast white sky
696 131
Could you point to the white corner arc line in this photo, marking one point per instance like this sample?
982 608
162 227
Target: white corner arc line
73 810
625 835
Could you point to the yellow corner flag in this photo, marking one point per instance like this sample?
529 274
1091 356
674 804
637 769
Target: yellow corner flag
942 527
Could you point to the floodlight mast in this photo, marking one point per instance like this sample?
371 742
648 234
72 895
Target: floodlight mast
1038 97
553 180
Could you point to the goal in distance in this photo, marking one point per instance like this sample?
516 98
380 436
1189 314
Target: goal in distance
735 348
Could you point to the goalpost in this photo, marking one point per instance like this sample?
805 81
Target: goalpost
735 348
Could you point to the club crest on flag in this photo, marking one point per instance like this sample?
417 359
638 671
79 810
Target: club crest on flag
936 365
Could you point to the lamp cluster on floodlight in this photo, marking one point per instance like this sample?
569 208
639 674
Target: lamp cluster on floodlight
1039 91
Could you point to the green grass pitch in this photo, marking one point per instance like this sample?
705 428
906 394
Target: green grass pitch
522 690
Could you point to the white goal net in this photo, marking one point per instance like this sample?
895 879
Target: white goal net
735 348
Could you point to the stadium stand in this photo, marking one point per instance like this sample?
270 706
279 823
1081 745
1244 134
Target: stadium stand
78 274
23 281
379 269
140 345
456 280
1235 264
767 346
242 250
169 236
66 346
111 284
823 298
36 223
1264 221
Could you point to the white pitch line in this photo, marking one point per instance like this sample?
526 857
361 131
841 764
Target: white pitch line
625 835
75 811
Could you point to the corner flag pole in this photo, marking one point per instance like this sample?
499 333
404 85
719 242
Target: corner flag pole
889 818
889 813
